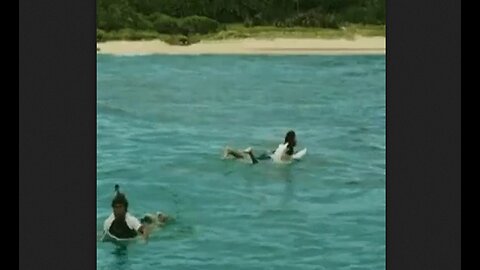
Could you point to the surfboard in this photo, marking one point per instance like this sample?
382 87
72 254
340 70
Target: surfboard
280 151
299 154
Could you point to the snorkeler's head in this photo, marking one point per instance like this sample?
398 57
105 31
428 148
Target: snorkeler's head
119 203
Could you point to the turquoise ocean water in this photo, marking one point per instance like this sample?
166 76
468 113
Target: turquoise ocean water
162 122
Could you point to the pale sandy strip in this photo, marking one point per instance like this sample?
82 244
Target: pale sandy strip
360 45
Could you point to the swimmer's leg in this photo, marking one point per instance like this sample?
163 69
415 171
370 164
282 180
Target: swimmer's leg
263 156
250 154
230 152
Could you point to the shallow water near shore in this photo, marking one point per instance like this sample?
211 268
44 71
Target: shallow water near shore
162 122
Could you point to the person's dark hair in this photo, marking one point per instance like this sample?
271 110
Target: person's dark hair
290 138
119 198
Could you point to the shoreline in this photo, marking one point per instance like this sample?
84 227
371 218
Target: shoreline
282 46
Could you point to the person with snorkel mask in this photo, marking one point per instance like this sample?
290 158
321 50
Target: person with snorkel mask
122 224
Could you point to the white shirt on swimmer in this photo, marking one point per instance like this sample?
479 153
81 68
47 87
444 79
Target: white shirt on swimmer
132 222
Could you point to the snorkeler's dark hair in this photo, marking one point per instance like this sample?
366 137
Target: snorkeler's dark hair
119 198
290 138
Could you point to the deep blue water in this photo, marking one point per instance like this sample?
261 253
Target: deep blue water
162 122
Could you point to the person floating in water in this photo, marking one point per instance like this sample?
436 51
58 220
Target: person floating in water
122 224
247 154
152 221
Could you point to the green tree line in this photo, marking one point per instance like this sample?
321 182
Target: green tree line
187 17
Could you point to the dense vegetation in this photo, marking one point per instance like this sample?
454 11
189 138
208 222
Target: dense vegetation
140 19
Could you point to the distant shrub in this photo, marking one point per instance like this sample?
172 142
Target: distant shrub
248 22
256 20
128 34
198 25
331 21
355 14
117 17
194 39
229 34
113 15
141 22
100 35
313 18
364 15
165 24
181 40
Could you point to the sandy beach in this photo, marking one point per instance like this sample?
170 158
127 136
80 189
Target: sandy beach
360 45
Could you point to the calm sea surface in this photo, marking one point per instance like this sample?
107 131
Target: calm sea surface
162 122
